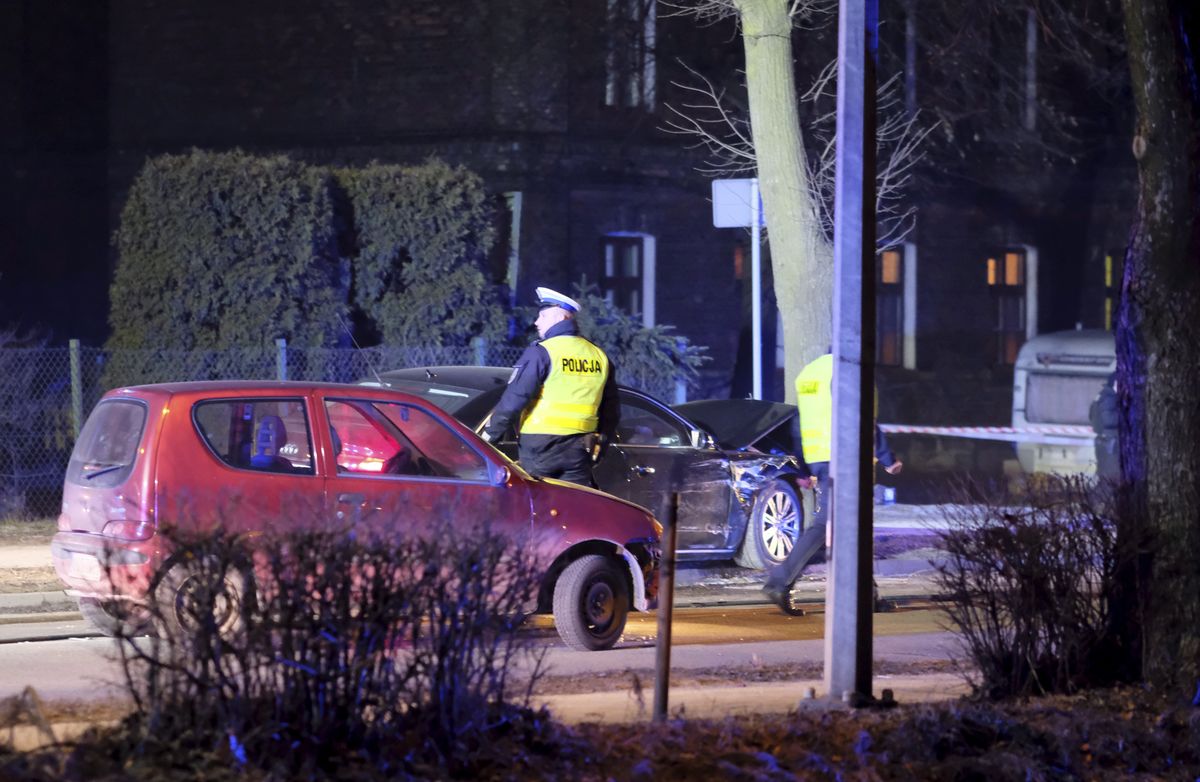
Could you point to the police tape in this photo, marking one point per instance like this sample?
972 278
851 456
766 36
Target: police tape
1046 434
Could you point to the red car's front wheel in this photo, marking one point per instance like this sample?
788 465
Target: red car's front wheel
591 603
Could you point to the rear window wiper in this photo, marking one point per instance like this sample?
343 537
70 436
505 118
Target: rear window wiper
104 470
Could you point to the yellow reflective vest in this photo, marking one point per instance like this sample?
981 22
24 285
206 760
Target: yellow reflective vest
569 399
814 397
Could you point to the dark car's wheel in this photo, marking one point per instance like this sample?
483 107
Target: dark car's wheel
114 618
776 520
193 598
591 603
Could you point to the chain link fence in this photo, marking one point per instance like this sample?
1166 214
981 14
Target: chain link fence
46 393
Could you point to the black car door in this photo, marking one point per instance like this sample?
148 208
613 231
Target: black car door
654 457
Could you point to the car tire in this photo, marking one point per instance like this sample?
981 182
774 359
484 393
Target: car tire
116 620
591 603
777 512
188 592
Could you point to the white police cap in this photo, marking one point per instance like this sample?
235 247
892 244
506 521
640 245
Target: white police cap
548 297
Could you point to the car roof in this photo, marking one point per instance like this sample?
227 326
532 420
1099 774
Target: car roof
478 378
200 388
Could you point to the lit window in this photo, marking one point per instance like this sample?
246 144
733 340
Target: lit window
889 308
629 64
1112 274
1008 294
1014 268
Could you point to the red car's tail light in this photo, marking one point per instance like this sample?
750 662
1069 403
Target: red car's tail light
129 530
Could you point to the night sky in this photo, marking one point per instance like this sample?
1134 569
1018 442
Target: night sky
54 210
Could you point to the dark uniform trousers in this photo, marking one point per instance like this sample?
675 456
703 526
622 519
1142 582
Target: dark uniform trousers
562 456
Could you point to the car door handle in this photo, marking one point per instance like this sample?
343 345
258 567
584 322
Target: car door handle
642 469
353 498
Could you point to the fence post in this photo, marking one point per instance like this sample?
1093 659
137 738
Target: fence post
480 344
666 606
76 388
281 358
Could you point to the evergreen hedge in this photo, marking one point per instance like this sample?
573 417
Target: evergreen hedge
649 359
222 253
421 239
220 250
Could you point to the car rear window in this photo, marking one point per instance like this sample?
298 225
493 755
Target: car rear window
107 447
268 435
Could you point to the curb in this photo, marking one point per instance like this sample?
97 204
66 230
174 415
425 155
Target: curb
32 604
40 617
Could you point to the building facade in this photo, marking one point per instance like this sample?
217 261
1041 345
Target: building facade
560 106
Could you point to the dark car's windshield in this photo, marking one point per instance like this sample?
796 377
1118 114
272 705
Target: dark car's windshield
468 405
449 398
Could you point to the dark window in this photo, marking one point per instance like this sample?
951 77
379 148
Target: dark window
629 61
271 435
1006 279
889 307
621 272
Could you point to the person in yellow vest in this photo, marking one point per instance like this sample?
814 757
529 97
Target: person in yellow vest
561 398
814 398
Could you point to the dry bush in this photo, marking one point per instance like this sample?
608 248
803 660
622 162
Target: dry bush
1029 582
310 649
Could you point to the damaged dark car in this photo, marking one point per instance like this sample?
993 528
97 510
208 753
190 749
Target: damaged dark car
728 461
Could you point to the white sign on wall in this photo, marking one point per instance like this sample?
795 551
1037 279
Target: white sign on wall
736 204
733 203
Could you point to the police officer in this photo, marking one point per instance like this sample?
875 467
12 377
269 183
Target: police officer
1105 415
561 397
814 398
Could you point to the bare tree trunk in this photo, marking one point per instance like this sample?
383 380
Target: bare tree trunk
1158 339
801 257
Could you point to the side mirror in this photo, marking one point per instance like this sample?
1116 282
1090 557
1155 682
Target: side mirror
499 475
702 439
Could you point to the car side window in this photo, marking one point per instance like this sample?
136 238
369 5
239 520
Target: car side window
365 443
267 435
448 454
398 439
641 426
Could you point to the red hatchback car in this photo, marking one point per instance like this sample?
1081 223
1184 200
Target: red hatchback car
251 452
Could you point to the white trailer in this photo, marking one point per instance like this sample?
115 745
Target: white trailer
1055 379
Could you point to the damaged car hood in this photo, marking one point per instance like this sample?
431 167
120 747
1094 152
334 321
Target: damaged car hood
740 423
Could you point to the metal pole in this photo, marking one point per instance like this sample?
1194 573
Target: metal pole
76 388
680 383
848 617
666 600
281 358
480 345
756 283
